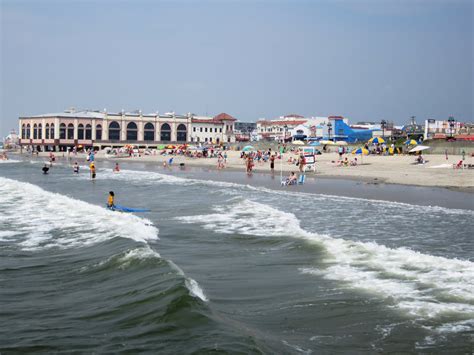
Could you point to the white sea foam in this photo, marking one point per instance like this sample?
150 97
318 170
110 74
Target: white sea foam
9 161
423 285
42 219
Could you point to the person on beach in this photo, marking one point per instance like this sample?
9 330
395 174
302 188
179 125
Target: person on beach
116 168
302 163
272 162
93 171
292 179
75 168
110 200
249 164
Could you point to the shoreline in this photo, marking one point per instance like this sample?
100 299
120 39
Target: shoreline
376 170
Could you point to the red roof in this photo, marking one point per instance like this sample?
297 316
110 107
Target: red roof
280 123
224 117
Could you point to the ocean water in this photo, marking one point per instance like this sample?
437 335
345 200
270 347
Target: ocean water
226 267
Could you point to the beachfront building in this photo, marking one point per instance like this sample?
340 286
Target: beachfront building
215 130
279 129
72 128
446 129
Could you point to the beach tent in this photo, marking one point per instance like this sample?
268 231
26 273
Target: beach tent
248 148
411 142
418 148
377 140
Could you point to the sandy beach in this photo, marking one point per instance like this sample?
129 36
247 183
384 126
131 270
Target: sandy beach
436 172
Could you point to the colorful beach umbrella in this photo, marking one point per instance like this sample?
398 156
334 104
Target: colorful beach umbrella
248 148
360 151
377 140
411 142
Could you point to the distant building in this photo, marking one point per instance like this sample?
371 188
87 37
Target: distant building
445 129
57 131
244 131
12 140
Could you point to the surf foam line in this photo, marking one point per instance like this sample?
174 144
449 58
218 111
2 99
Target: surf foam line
153 177
40 219
422 285
37 219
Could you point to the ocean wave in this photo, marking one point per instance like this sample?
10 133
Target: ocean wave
422 285
152 177
9 161
42 219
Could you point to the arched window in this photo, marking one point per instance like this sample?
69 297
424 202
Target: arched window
51 129
132 131
28 131
35 131
88 131
114 131
149 132
23 131
165 132
62 131
70 131
80 131
46 132
40 131
181 133
98 132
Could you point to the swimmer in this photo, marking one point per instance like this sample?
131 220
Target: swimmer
45 169
117 168
93 171
76 168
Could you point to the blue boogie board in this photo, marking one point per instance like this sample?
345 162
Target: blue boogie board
120 208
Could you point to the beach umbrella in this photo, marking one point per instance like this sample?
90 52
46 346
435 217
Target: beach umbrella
327 142
360 151
170 146
341 143
298 142
411 142
248 148
376 140
418 148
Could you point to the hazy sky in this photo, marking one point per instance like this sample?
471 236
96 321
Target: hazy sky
366 60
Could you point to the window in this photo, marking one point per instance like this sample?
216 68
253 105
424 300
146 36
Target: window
132 131
205 139
46 131
40 131
205 129
149 132
80 131
98 132
165 132
220 130
23 131
201 129
194 129
51 129
70 131
62 131
114 131
35 131
181 133
88 131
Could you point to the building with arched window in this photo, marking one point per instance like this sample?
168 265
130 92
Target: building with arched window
71 128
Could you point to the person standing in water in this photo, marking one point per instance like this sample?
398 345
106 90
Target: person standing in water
117 168
110 200
93 171
75 168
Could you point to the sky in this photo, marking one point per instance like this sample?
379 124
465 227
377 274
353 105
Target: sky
367 60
